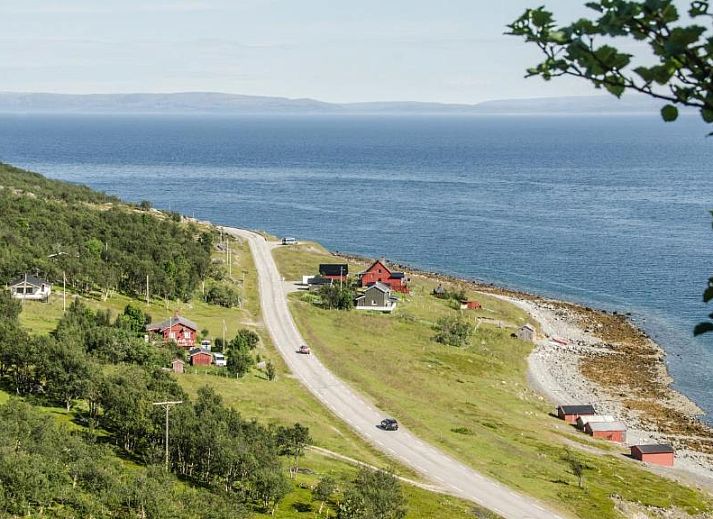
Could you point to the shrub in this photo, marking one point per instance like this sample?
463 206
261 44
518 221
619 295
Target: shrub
223 295
453 330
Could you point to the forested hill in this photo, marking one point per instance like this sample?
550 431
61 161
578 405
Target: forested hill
50 227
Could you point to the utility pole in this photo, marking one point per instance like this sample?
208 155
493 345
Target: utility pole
167 405
64 291
147 289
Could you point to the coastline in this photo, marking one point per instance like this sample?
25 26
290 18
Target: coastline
608 362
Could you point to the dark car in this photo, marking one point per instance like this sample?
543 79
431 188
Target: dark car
389 424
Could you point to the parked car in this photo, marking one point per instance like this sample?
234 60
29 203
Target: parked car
219 360
389 424
304 349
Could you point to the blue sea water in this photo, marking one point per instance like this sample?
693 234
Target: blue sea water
607 211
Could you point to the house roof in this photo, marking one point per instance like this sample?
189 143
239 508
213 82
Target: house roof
380 286
334 269
161 326
577 409
31 280
528 326
583 420
179 361
606 426
198 351
397 275
377 262
661 448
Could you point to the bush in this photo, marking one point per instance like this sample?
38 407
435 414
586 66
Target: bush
223 295
453 330
334 296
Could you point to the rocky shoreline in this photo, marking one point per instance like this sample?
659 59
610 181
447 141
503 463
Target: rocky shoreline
608 362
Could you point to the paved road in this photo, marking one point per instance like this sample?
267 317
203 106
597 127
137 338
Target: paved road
360 414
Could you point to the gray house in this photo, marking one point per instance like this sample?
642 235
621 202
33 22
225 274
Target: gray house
30 287
378 298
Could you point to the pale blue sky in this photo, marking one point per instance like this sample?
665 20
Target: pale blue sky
448 51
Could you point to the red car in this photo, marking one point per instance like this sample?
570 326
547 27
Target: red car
304 349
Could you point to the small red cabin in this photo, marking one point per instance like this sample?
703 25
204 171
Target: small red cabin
570 413
660 454
178 329
378 272
200 357
612 431
469 305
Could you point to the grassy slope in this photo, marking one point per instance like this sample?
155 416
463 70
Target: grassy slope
282 401
480 391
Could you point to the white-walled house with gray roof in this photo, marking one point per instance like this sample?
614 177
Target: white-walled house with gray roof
30 288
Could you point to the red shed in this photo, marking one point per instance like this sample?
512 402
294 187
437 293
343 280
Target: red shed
200 357
177 328
378 272
612 431
469 305
659 454
570 413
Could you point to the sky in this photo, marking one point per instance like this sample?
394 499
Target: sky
397 50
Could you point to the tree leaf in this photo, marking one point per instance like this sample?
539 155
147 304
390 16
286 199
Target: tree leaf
669 113
702 328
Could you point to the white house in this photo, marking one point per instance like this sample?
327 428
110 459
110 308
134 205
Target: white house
30 287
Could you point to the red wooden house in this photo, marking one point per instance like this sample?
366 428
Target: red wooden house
612 431
178 329
570 413
657 454
378 272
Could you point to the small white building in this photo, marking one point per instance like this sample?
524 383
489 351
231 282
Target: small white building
526 333
30 288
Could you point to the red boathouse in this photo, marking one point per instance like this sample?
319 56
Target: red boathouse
660 454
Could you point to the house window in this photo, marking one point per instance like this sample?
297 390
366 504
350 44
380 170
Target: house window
19 290
373 302
171 335
186 334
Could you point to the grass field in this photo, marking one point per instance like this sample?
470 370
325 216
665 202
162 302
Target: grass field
474 401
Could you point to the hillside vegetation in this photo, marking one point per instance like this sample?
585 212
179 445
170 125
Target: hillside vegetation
50 228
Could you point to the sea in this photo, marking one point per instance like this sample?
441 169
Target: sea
609 211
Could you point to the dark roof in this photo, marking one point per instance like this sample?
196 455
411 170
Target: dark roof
334 269
397 275
32 280
170 322
577 409
660 448
197 351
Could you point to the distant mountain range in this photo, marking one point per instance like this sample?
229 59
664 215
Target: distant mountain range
234 104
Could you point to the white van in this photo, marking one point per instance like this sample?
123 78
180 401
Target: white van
219 360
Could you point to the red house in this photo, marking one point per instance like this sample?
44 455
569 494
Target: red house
612 431
661 454
378 272
570 413
178 329
200 357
